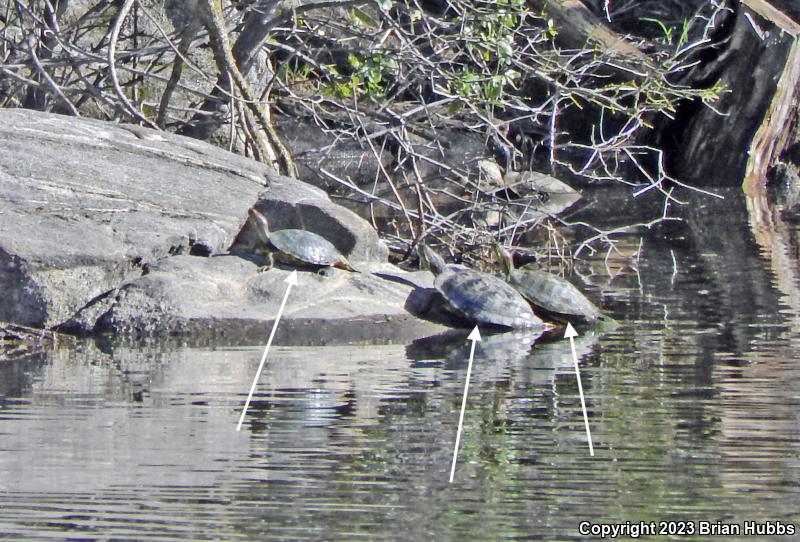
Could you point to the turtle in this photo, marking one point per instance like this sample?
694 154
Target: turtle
479 297
300 248
553 295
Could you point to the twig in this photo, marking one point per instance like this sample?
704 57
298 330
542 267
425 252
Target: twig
52 84
112 46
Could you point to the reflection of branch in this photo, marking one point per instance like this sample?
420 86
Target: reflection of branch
404 84
605 235
777 239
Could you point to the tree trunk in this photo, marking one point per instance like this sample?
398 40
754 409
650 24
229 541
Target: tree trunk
754 121
214 109
577 26
753 125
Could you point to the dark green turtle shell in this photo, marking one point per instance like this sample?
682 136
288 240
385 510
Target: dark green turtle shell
485 299
305 248
553 294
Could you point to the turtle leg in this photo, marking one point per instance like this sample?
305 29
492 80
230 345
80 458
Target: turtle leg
269 262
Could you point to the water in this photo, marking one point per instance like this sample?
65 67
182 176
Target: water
693 402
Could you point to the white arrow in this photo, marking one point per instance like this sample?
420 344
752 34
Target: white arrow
475 336
570 333
291 280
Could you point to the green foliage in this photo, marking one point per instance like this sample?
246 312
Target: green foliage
667 31
361 16
472 87
664 28
296 72
490 37
368 80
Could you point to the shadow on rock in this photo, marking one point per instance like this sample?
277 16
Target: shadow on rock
428 304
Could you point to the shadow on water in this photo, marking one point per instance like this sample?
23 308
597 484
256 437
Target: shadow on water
693 403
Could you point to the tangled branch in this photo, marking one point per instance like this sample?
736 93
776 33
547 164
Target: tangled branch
421 107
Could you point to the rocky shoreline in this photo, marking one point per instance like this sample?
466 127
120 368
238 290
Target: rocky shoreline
114 229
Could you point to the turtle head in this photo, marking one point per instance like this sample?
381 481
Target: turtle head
259 224
504 258
429 258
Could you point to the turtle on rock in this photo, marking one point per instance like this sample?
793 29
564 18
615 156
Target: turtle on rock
479 297
554 296
299 248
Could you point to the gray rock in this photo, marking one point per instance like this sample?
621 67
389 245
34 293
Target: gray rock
540 195
317 152
85 205
456 149
226 297
525 182
292 204
103 227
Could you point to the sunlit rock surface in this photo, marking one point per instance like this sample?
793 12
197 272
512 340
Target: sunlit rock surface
117 228
227 297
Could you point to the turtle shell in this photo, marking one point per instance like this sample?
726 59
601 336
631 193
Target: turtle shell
485 299
305 247
553 294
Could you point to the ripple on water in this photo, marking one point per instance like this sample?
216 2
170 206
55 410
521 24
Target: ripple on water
692 400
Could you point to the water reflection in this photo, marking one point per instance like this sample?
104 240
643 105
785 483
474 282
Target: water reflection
693 402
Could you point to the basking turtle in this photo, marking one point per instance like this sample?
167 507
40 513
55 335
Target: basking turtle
555 296
478 297
297 247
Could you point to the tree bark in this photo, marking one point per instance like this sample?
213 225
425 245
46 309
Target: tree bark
577 26
255 30
754 121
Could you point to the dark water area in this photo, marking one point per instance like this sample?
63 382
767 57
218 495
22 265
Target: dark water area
692 402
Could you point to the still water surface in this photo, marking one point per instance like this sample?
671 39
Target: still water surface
693 403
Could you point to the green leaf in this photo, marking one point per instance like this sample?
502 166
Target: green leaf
362 16
354 61
666 31
504 49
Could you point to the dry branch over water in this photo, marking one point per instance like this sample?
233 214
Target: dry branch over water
415 111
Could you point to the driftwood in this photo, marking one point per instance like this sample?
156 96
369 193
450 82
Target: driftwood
780 128
753 125
578 26
754 121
